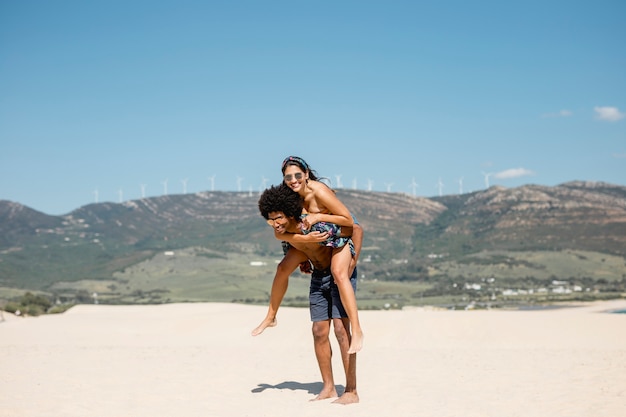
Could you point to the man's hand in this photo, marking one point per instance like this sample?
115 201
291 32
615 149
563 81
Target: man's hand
314 237
306 268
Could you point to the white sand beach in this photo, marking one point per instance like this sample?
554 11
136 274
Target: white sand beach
188 360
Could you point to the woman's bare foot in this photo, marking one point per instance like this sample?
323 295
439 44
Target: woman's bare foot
347 398
357 342
264 324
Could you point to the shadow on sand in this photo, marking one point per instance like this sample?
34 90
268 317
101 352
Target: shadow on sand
310 387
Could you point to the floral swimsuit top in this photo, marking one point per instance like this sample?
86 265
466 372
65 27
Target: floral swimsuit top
334 231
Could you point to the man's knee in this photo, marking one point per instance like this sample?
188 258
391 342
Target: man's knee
321 329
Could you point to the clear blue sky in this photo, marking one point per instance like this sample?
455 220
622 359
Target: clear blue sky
115 99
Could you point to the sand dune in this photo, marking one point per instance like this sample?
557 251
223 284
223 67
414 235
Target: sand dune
200 360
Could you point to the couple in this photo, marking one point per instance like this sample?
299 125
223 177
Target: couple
282 207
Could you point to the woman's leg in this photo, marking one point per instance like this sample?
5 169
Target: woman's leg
340 266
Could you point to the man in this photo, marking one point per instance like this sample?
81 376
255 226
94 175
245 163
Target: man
282 207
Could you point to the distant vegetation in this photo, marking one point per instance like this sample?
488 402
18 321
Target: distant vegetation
494 248
30 304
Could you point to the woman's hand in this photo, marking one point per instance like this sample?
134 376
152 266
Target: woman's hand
310 219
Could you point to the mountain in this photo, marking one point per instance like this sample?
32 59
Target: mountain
575 215
530 230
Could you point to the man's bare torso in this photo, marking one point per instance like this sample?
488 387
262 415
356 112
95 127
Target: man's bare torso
320 256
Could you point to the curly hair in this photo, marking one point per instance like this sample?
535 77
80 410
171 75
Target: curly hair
280 198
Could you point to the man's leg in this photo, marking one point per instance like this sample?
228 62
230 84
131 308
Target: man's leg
342 333
323 352
320 304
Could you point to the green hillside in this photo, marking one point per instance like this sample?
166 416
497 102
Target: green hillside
495 247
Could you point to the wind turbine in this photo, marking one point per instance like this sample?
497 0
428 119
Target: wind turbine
95 196
487 175
212 180
164 187
370 183
120 193
440 185
338 177
388 185
143 190
461 185
413 185
184 185
354 183
263 184
239 179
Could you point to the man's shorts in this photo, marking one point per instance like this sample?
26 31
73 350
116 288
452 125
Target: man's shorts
324 299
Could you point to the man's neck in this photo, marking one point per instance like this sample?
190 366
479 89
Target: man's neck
294 227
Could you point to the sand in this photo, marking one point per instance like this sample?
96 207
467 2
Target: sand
200 360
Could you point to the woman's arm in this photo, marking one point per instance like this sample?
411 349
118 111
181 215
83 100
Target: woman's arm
330 208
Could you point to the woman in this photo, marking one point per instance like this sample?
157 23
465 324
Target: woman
321 209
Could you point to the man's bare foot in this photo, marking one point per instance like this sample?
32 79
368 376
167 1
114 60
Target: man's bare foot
264 324
347 398
326 394
357 342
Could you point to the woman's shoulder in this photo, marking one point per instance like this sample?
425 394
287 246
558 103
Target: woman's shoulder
319 187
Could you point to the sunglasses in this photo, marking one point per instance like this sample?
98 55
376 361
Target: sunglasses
298 176
273 221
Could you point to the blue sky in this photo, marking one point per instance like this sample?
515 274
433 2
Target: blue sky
116 100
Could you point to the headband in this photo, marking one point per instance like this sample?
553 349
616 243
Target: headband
296 160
